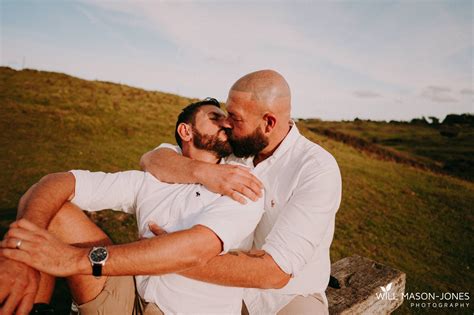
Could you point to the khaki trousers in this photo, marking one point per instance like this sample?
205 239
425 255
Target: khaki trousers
117 297
311 305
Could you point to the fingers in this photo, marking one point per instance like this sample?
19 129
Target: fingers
4 291
252 184
27 225
22 234
12 243
11 303
18 287
26 304
156 229
238 197
17 255
255 181
244 190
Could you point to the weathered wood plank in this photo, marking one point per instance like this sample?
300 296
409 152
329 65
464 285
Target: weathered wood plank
360 280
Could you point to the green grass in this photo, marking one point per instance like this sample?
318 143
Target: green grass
418 221
421 142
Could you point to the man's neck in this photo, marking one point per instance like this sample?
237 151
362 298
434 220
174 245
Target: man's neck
273 144
200 155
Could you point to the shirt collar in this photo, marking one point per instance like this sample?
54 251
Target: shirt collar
288 142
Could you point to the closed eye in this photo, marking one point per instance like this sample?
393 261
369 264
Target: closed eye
235 118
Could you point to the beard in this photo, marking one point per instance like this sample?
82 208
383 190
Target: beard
250 145
211 143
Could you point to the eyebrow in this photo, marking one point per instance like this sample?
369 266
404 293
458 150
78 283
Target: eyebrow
234 115
216 114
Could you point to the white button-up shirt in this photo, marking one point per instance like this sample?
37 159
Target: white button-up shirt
174 207
302 195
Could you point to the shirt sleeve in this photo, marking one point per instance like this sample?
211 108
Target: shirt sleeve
170 146
96 191
230 220
303 225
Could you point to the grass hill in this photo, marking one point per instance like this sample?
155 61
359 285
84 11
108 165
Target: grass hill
446 147
414 219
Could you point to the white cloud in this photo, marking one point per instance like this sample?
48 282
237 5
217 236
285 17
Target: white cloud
439 94
401 51
366 94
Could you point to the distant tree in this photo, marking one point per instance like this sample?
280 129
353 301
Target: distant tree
463 119
419 121
434 120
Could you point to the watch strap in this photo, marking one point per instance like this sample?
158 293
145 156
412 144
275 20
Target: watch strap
97 270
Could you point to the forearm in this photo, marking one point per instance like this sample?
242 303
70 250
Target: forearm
170 167
254 269
44 199
170 253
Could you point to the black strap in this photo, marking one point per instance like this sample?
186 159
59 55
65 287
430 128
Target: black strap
138 304
42 309
97 270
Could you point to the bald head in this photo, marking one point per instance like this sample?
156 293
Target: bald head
259 114
267 88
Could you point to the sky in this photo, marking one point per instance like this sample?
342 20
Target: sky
379 60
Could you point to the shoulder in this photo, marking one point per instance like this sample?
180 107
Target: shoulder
312 156
170 146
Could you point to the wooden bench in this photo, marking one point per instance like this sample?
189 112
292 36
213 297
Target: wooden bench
356 285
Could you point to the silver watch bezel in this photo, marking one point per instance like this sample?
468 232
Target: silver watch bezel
95 248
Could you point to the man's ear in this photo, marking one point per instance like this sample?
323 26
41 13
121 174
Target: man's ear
270 122
184 131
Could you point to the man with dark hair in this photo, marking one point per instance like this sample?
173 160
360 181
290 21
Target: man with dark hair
199 225
201 141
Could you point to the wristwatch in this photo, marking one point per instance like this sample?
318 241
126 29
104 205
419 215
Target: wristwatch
98 256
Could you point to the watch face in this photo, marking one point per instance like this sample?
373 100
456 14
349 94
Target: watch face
98 255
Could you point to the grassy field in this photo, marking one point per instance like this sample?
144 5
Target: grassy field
442 147
415 220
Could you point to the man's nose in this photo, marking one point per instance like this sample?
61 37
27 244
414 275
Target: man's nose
226 123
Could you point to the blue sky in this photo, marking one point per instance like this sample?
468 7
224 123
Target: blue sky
343 59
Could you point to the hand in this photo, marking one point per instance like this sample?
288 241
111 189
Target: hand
18 287
41 250
156 229
231 180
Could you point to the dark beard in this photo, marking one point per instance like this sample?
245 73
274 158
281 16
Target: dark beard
211 143
250 145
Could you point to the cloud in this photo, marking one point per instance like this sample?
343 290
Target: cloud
366 94
335 55
438 94
467 91
102 24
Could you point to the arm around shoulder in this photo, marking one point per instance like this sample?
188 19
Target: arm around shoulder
169 166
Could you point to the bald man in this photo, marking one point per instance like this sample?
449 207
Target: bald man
288 270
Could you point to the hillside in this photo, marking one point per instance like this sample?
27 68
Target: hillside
446 147
415 220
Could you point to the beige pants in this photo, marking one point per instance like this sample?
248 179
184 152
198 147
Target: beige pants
117 297
300 305
310 305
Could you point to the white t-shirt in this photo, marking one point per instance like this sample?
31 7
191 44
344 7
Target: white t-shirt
174 207
302 195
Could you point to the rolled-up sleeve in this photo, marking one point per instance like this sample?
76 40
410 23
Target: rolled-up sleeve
303 224
96 191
